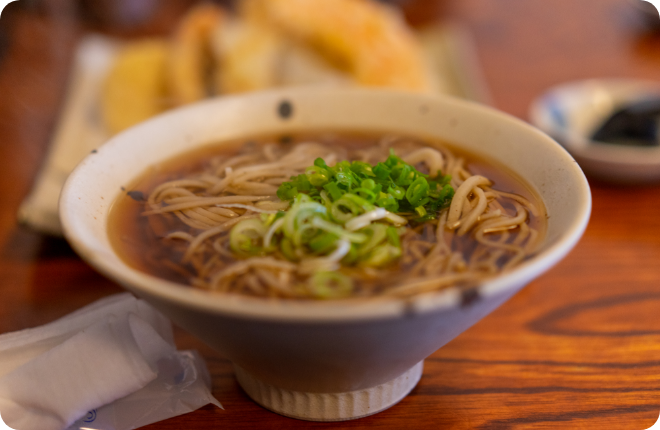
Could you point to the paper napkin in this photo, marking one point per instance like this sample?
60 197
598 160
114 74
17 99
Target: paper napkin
111 351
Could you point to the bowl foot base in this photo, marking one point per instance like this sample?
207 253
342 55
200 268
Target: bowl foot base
330 406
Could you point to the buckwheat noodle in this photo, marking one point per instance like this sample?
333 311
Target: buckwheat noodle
483 232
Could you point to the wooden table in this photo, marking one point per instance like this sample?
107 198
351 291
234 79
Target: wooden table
577 348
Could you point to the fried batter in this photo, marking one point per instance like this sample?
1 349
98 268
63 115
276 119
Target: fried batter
255 57
248 56
268 43
191 72
368 40
134 89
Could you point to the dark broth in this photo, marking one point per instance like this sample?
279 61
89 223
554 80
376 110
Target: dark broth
140 242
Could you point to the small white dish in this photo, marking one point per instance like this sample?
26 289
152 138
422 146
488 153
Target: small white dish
571 113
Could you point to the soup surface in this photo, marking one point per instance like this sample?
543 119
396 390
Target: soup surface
327 215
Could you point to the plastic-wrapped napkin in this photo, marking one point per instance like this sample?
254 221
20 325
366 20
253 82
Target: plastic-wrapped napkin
110 365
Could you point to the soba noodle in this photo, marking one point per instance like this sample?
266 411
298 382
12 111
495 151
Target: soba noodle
482 232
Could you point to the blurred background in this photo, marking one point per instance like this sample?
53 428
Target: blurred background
504 53
509 52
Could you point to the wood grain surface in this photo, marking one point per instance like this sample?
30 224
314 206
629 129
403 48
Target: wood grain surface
577 348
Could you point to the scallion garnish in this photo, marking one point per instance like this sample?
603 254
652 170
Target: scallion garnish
357 186
350 214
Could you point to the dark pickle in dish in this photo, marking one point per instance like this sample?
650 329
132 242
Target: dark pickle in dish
635 124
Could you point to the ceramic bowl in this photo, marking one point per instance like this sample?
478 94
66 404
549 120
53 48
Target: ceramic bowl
325 360
571 113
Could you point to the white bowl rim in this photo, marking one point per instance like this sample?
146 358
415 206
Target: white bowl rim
246 307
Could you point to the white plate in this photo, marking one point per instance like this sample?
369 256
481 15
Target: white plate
571 113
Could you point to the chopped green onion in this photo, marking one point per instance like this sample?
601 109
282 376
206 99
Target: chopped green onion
387 202
396 192
323 242
352 255
382 255
287 250
320 162
338 230
246 237
343 210
366 219
366 194
271 231
330 285
349 213
377 234
300 213
287 191
362 168
417 191
333 189
363 203
403 174
393 236
393 160
382 171
368 184
304 233
269 218
325 199
420 210
317 176
393 185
